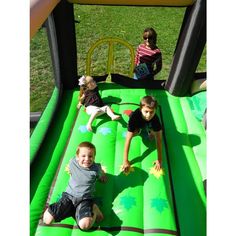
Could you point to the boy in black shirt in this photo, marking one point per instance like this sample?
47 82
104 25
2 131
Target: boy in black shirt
144 118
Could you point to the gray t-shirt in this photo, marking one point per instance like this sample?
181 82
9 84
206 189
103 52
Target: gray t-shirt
82 180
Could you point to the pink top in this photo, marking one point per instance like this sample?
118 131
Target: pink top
146 55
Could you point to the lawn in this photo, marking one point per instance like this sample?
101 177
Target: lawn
95 22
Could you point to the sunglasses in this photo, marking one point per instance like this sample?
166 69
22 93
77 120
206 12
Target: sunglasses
149 37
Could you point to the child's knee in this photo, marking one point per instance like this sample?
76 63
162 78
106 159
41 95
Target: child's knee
47 217
97 113
85 223
106 108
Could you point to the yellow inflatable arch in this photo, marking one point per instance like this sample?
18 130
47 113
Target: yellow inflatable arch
40 9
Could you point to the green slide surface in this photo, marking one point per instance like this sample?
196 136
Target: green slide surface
135 204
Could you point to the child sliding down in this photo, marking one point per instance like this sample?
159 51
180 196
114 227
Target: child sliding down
91 99
77 200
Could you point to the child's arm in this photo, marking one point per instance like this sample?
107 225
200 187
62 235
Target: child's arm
158 64
136 56
103 177
158 162
126 164
80 101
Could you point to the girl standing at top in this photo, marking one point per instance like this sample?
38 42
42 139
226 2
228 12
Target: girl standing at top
91 99
148 58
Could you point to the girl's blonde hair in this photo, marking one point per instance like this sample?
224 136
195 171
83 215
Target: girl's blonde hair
83 84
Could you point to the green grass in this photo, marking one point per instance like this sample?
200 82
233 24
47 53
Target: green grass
41 72
96 22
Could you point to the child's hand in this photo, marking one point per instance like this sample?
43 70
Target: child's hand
67 169
157 164
126 166
79 105
130 169
156 173
103 178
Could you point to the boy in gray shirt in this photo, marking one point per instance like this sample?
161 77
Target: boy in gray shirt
77 200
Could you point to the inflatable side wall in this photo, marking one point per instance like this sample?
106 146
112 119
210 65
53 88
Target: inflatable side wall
189 49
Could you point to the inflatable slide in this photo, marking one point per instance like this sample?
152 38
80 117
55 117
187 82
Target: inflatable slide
142 202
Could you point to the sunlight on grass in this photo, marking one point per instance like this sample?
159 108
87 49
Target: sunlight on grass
41 72
96 22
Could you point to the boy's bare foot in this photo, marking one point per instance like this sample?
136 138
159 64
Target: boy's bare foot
116 117
99 218
89 128
99 215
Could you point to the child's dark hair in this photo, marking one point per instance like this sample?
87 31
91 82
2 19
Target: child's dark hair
151 34
87 145
149 101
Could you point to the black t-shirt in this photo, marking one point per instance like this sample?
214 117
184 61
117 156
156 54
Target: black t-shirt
136 121
92 97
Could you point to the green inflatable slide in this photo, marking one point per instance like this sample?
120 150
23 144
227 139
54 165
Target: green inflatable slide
142 202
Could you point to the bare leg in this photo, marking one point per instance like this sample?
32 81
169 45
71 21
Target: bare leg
91 119
47 217
87 222
111 114
98 213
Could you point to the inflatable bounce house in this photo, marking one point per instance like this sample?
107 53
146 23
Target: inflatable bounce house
143 202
